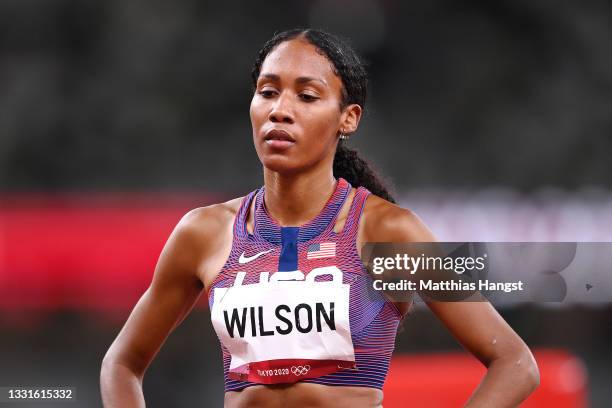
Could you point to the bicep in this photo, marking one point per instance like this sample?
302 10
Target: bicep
475 324
173 291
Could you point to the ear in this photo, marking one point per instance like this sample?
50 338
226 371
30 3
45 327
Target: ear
349 120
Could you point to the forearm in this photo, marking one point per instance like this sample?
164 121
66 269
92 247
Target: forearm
120 387
507 383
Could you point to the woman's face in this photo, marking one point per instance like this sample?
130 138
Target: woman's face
295 111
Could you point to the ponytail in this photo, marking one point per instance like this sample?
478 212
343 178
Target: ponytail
349 165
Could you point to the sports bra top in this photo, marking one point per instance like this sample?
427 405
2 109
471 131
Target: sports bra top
359 358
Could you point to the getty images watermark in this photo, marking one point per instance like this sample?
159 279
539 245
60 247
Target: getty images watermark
459 265
504 272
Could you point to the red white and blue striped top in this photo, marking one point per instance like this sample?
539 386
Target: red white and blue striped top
373 318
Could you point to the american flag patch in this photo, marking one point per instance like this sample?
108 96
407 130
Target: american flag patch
321 250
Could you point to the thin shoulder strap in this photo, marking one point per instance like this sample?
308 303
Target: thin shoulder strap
344 191
351 226
240 221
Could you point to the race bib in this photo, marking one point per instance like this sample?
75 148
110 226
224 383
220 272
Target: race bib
286 328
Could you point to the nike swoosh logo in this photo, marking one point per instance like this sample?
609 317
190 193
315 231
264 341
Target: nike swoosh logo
246 259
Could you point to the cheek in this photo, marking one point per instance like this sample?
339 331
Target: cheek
324 123
255 111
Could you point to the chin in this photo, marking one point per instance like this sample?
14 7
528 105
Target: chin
280 164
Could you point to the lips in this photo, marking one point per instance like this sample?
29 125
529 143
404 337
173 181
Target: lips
278 139
279 134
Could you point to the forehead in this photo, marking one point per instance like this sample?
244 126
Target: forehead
298 58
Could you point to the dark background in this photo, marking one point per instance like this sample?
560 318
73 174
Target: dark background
496 98
151 95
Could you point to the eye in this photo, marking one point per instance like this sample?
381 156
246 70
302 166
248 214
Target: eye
308 98
266 93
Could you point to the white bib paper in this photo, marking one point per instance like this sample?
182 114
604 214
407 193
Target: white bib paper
284 331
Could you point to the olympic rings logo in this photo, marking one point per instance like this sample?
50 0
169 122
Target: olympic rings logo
300 370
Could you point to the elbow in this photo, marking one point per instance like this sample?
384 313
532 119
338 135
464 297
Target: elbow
530 372
112 367
522 367
107 365
533 375
107 369
108 362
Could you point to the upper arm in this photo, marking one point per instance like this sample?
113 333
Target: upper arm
475 324
480 329
173 291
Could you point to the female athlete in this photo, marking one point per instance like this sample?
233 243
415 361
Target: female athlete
290 300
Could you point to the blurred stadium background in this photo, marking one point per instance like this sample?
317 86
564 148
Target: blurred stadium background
492 119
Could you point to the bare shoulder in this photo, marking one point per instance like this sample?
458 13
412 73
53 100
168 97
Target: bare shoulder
383 221
204 236
203 231
208 220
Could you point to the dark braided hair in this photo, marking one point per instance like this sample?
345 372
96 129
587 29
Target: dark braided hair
348 164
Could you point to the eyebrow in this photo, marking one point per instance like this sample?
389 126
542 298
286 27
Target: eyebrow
299 80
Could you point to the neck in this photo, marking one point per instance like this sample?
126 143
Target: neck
295 199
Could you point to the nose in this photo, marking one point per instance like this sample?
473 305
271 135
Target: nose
281 111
